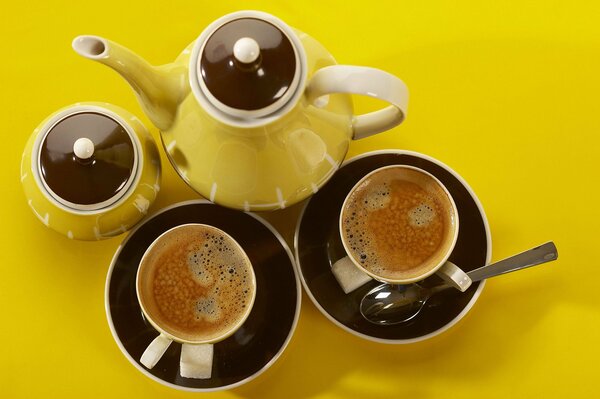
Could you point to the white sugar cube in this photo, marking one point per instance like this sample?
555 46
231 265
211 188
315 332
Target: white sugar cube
348 276
196 361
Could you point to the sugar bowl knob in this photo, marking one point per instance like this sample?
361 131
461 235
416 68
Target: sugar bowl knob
83 148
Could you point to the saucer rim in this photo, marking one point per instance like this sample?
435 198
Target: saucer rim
458 317
266 366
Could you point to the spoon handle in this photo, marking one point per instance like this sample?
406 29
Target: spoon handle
544 253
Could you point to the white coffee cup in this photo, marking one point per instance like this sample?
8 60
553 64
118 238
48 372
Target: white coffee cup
351 274
196 353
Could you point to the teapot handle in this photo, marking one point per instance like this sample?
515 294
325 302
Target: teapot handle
364 81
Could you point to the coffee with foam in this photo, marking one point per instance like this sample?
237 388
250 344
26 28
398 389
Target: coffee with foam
196 283
398 223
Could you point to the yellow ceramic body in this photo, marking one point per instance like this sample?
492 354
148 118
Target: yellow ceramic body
249 168
106 222
267 167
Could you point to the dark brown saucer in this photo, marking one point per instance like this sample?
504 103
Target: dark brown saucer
318 246
253 347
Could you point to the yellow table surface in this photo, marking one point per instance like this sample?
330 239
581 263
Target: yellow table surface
506 93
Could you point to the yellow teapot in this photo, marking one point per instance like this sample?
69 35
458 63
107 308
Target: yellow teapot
254 115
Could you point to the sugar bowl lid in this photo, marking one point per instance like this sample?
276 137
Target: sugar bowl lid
246 66
87 158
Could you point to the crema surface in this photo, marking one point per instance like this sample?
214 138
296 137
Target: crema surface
398 224
196 283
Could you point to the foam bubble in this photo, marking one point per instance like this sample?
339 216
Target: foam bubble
377 198
422 215
208 309
199 263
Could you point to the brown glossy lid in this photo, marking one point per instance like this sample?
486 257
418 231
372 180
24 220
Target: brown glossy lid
87 159
248 64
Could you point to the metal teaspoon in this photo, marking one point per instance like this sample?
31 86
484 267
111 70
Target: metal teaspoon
394 304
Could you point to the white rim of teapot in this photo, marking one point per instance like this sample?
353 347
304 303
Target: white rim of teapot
244 118
81 209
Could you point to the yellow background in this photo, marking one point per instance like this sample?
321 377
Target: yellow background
506 93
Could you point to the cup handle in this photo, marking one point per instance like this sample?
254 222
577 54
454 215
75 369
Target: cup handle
454 276
155 351
196 361
363 81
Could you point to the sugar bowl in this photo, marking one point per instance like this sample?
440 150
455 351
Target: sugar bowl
90 171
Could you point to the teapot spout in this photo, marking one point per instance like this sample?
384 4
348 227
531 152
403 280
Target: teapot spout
159 89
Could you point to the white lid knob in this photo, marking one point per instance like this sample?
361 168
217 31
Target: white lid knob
246 50
83 148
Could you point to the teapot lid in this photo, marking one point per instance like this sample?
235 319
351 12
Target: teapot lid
87 159
249 67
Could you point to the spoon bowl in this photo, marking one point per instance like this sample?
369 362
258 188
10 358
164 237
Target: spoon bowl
393 304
